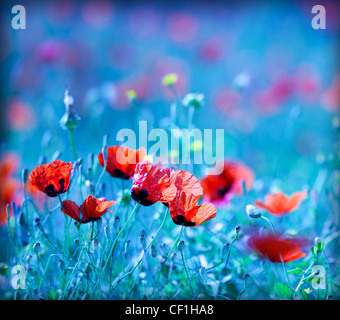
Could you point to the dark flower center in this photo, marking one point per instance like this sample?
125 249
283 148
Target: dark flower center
182 220
141 197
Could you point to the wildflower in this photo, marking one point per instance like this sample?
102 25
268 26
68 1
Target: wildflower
170 79
183 208
280 204
152 184
193 99
219 188
52 179
121 161
273 248
92 209
131 95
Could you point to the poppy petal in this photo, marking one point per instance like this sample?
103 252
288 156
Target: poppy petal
295 199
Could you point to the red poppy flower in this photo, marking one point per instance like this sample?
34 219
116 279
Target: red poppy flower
219 188
280 204
121 161
152 184
183 208
92 209
272 247
53 178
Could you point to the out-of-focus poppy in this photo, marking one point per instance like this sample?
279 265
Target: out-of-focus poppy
9 185
280 204
91 210
331 97
273 248
183 208
53 178
219 188
121 161
20 115
152 184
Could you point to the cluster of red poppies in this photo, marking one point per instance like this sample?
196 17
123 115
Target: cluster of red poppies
179 190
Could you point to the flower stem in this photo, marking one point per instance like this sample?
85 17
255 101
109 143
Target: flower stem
73 145
112 248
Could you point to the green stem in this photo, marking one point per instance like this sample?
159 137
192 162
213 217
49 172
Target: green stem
112 248
73 145
187 273
271 225
166 258
146 250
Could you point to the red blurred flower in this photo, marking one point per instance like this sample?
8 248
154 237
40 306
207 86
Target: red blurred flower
280 204
331 97
121 161
92 209
272 247
219 188
152 184
9 185
20 115
183 208
53 178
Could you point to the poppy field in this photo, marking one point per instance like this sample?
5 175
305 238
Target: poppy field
169 151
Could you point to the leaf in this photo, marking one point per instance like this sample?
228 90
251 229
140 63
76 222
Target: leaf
295 271
282 290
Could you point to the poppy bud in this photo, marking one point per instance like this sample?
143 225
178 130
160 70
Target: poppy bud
203 274
225 249
61 265
94 245
91 159
105 140
180 245
70 119
153 251
253 212
319 244
116 224
28 259
76 241
24 176
126 248
200 296
173 256
142 241
36 247
107 232
22 221
77 225
237 229
8 210
105 153
246 277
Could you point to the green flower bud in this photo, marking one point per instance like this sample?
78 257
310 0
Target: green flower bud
180 245
116 224
70 119
253 212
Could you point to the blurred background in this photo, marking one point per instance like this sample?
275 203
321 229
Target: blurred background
269 79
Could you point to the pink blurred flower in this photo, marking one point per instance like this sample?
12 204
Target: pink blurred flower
182 27
331 97
50 51
145 22
98 13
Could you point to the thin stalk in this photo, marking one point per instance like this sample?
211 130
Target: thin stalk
70 131
112 248
188 276
166 258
